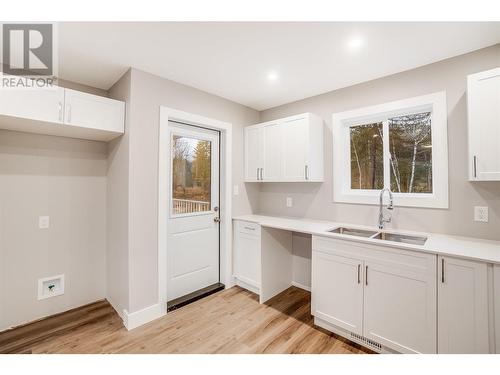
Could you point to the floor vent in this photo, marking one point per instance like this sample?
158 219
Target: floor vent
364 341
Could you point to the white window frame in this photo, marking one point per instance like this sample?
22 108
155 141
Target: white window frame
341 123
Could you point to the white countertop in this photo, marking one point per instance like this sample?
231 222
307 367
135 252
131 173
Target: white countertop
441 244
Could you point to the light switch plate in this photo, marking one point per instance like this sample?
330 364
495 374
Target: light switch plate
289 202
481 214
236 190
43 222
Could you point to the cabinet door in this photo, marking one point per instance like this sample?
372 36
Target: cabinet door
95 112
483 100
337 290
273 146
41 105
400 302
247 257
462 306
295 149
496 305
253 152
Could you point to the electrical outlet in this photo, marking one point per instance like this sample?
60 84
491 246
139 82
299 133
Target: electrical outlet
481 214
289 202
43 222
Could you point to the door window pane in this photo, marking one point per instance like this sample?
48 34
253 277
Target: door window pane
191 175
410 146
367 163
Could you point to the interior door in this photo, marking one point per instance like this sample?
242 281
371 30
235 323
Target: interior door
193 224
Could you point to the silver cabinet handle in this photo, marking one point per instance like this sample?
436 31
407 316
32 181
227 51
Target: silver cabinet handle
249 228
60 112
442 270
258 169
475 166
306 172
359 271
262 174
366 275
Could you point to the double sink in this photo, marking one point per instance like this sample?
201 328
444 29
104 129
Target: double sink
383 236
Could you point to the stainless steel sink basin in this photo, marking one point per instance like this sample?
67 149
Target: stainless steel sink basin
353 232
414 240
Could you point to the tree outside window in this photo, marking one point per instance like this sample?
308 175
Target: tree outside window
410 154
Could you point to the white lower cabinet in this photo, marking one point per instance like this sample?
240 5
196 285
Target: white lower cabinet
381 294
247 255
400 302
334 279
496 306
462 306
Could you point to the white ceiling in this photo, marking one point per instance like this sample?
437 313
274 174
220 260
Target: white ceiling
233 60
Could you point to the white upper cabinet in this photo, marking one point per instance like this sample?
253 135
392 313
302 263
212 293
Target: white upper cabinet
62 112
285 150
40 105
462 306
253 160
483 102
92 111
273 149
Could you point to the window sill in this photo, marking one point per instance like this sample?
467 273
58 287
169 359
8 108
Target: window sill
400 200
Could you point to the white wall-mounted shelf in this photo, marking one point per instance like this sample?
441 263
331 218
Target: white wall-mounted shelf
62 112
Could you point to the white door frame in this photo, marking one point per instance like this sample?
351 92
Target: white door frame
169 114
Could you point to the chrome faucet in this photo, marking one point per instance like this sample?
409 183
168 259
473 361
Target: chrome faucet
382 219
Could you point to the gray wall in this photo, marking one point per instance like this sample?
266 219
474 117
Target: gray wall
315 200
65 179
117 219
148 92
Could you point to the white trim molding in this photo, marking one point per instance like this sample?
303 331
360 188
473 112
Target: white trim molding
146 315
301 286
166 115
341 122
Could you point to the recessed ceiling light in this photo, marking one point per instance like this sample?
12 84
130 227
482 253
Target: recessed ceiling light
272 76
355 43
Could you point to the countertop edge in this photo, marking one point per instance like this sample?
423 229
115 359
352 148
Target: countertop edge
440 244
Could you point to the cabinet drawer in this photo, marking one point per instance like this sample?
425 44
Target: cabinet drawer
247 227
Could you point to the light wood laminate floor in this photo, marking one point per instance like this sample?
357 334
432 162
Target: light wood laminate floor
230 321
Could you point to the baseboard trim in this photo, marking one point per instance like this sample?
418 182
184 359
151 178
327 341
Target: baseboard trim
146 315
301 286
115 307
250 286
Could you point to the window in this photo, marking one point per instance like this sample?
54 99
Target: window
400 145
191 175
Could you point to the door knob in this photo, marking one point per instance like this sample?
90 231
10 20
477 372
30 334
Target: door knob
217 219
